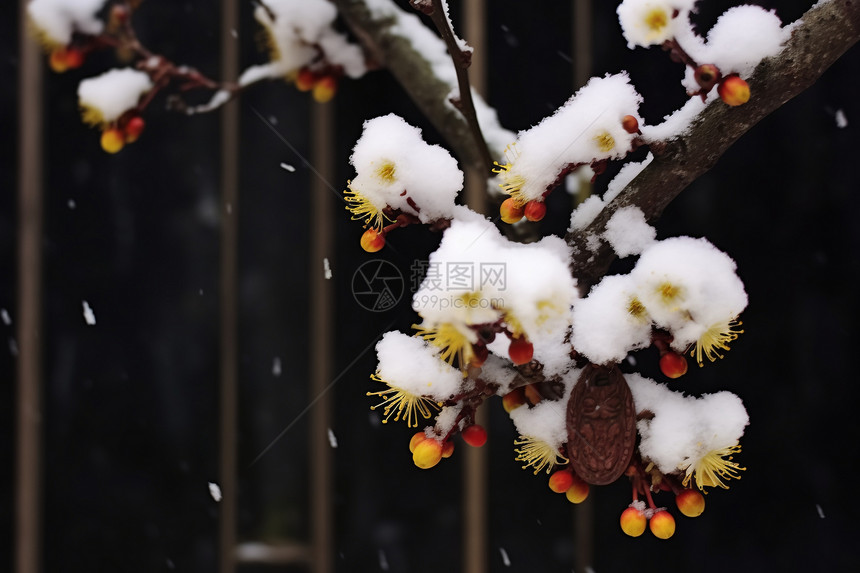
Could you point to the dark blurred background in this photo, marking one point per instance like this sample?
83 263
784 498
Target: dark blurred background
130 404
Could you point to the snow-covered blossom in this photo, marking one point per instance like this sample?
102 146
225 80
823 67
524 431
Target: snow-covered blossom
650 22
396 168
296 31
416 378
586 128
690 288
694 436
55 21
611 321
104 98
480 278
628 232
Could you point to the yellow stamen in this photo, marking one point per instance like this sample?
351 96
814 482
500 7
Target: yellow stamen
386 172
636 309
537 454
92 116
604 141
668 292
717 337
398 402
454 344
362 208
713 468
512 183
656 20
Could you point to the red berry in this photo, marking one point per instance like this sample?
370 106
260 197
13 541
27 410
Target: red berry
447 449
372 241
734 91
673 365
560 481
305 80
134 128
706 76
521 350
474 435
535 210
630 124
510 210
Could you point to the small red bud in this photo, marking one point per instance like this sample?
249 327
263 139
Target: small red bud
706 76
474 435
372 241
535 210
630 124
673 364
521 350
734 91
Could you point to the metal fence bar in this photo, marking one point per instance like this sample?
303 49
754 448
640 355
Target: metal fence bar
475 550
322 301
28 461
229 295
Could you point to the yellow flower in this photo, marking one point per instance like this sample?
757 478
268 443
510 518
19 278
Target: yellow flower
398 402
711 469
537 454
717 337
453 342
512 183
362 208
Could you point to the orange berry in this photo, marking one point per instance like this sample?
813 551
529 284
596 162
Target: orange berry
535 210
57 60
662 524
633 522
510 210
447 449
427 453
112 140
733 90
74 58
305 80
532 395
325 89
630 124
578 491
560 481
416 439
673 364
474 435
372 241
690 502
521 350
513 400
134 128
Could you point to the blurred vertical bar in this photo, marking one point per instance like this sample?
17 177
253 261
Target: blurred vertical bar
229 296
475 460
28 461
583 514
322 247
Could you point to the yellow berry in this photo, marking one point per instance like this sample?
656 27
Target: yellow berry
418 437
113 140
578 491
633 522
511 211
427 453
690 502
325 89
372 241
513 400
662 524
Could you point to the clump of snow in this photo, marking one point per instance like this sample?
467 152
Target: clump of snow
332 439
215 491
586 128
628 232
625 175
585 213
676 123
104 98
89 315
411 364
396 168
841 120
56 20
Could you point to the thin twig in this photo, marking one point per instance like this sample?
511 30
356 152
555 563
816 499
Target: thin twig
462 59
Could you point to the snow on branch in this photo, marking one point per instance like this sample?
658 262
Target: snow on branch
817 40
419 60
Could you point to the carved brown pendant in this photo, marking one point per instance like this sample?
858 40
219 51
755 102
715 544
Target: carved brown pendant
601 425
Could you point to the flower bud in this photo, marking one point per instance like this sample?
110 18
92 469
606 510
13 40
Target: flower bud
734 91
706 76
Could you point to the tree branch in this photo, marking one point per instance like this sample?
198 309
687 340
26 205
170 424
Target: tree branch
822 35
383 35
